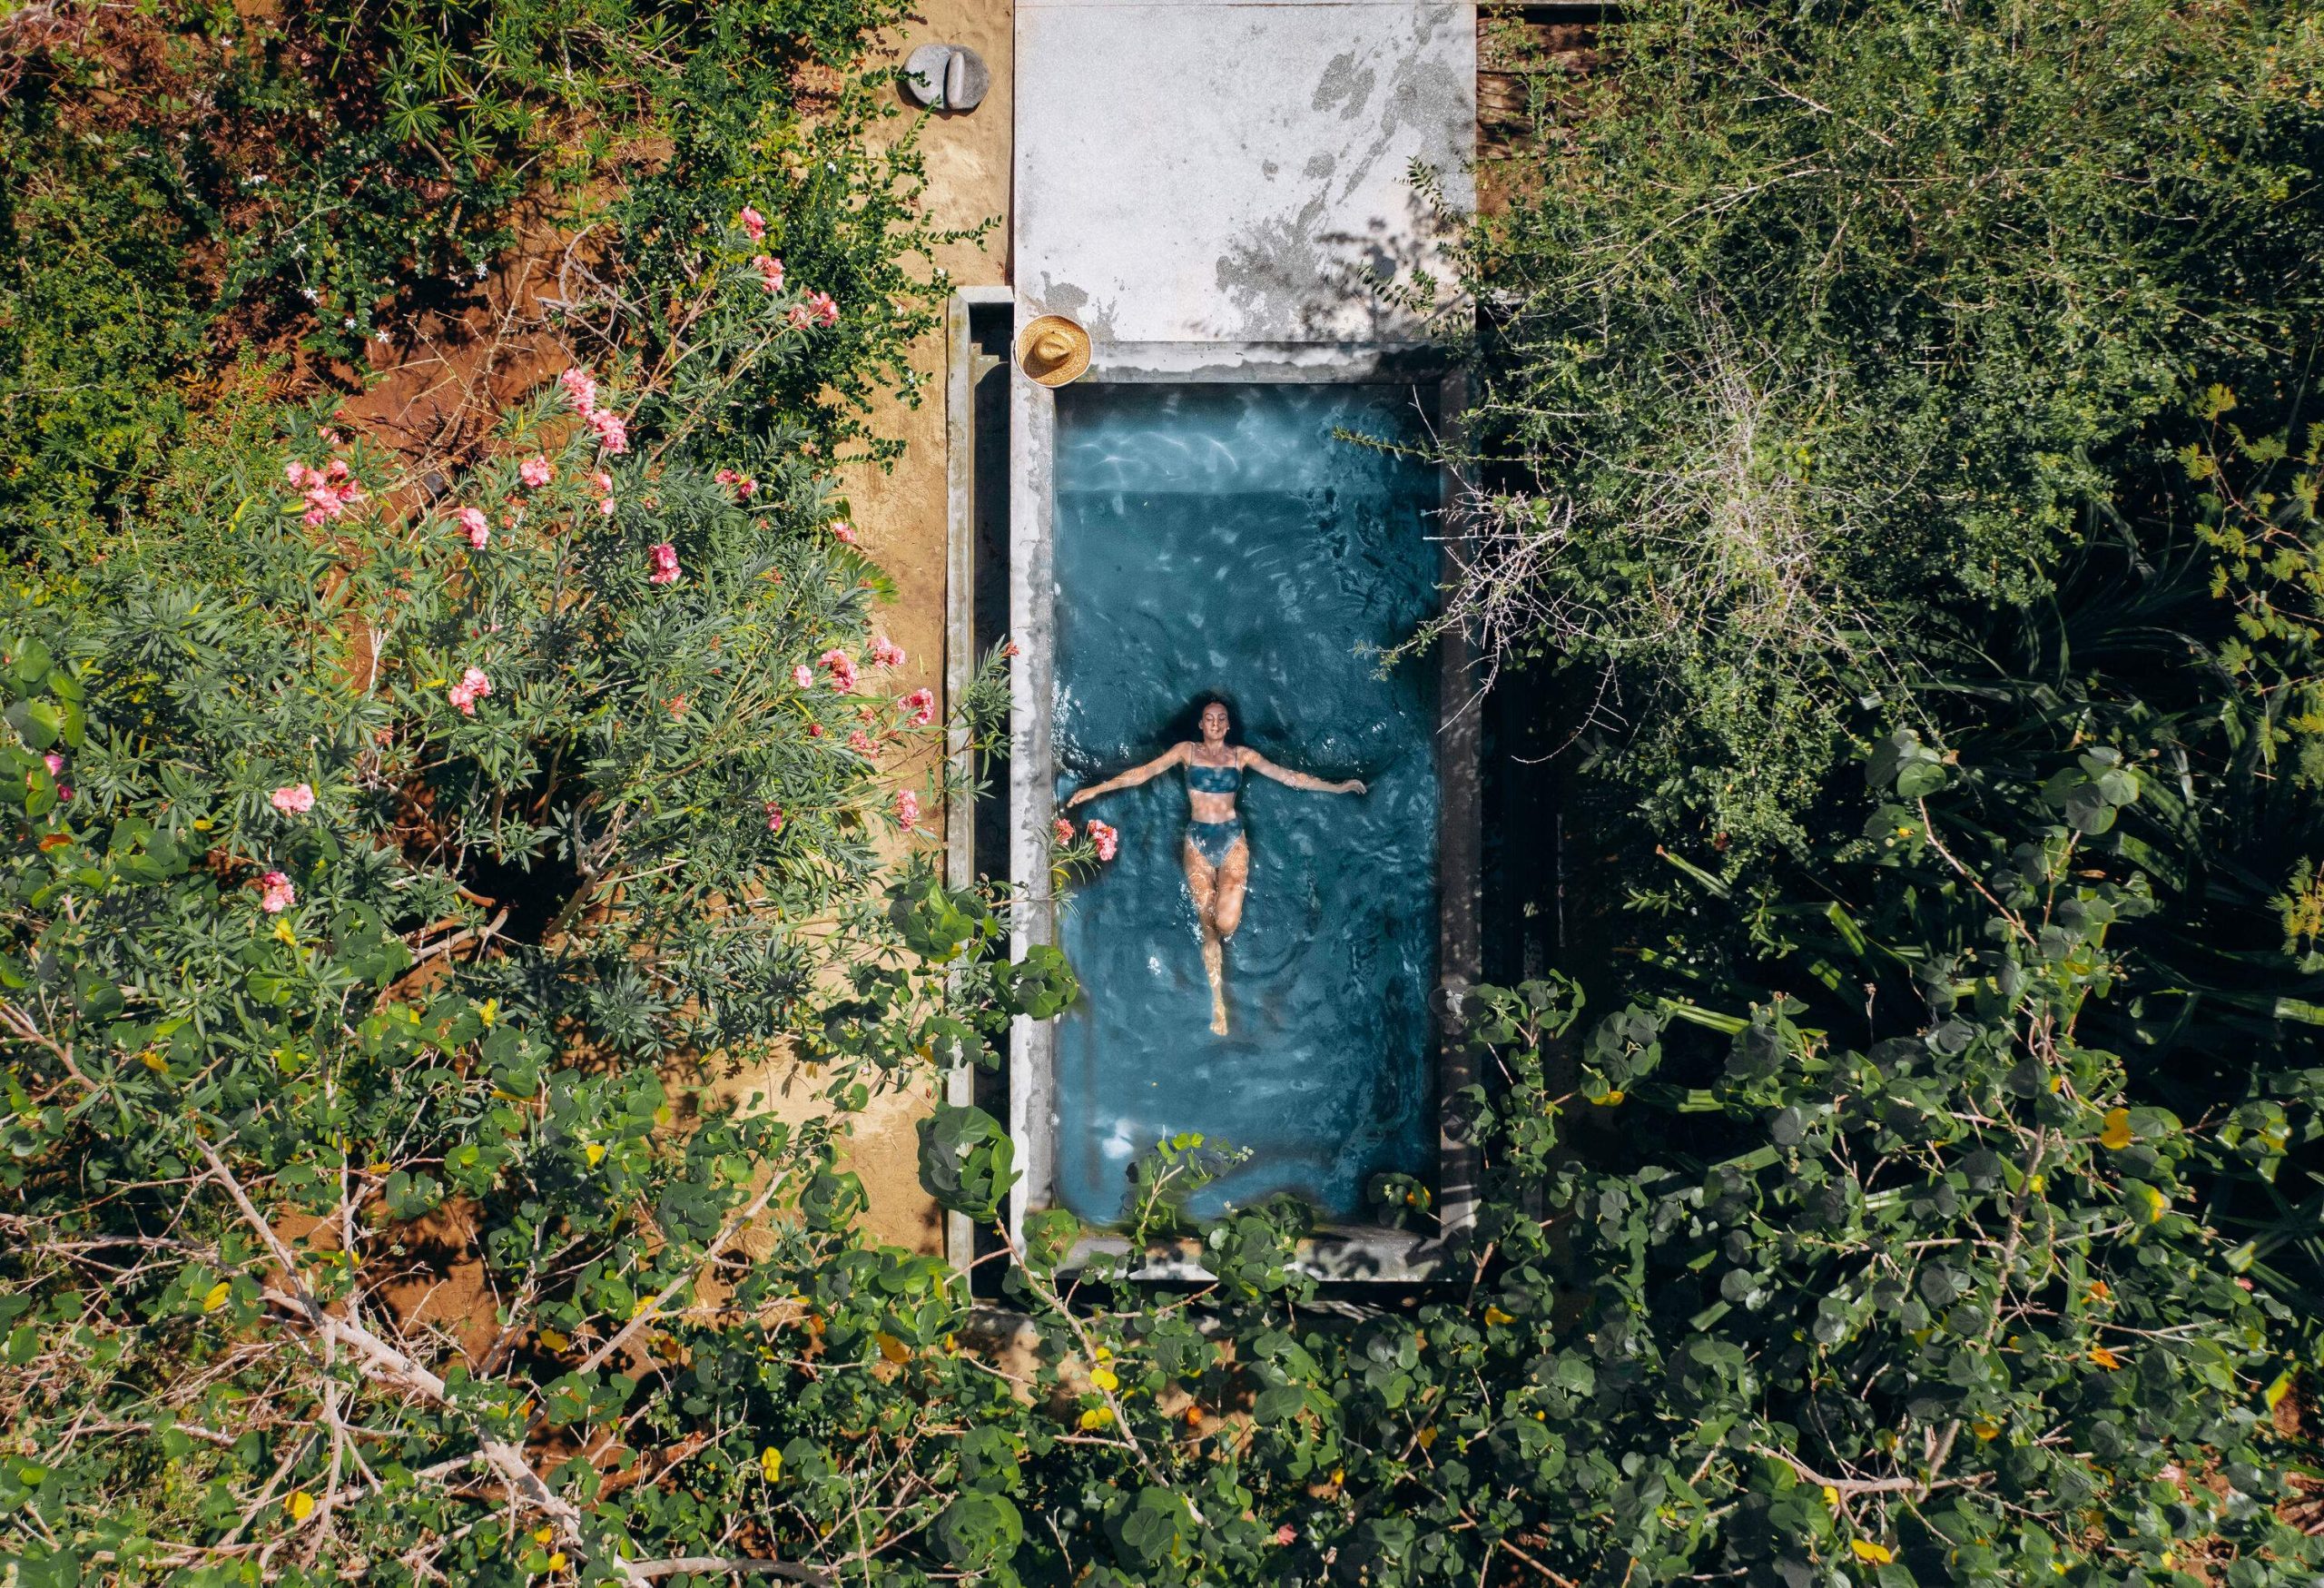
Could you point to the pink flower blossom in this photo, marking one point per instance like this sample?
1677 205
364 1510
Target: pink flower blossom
860 743
54 763
825 312
665 558
472 688
920 703
536 471
606 508
814 730
1106 840
844 530
773 818
798 318
329 491
478 528
803 676
753 222
769 272
275 894
1064 831
293 799
886 652
1285 1534
842 669
580 390
907 809
604 482
747 488
613 433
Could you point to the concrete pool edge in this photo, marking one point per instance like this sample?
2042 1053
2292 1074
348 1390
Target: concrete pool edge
1341 1251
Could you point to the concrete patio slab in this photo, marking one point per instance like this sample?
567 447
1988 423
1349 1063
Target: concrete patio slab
1219 170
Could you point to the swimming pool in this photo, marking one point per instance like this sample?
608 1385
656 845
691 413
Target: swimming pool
1219 538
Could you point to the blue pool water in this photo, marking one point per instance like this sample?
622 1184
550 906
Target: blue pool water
1219 538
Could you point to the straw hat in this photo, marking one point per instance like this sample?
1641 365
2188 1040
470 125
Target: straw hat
1053 350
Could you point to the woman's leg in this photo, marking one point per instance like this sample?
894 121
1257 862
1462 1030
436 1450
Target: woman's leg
1234 879
1202 878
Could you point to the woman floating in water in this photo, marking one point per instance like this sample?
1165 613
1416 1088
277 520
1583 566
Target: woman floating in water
1217 855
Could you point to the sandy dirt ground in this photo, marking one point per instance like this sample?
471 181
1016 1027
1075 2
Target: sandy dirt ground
901 515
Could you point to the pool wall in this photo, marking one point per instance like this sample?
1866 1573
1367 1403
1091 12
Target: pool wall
1341 1252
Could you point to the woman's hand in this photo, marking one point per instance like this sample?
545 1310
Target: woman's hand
1353 785
1080 794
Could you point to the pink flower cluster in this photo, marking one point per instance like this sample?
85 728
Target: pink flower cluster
536 471
581 391
920 708
773 818
746 488
803 676
842 670
665 558
329 490
1106 840
907 809
472 688
478 528
886 652
770 269
275 894
860 743
1064 831
817 309
604 486
753 222
844 530
56 765
293 799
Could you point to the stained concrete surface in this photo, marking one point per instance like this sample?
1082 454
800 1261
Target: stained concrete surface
1215 169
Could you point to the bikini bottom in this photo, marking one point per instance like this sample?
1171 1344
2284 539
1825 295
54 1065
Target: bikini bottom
1215 840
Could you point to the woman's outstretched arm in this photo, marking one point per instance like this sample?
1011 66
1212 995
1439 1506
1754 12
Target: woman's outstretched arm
1284 774
1133 777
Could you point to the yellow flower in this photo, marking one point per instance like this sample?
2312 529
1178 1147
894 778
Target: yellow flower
543 1534
216 1299
771 1463
2105 1358
1339 1475
1427 1437
556 1562
299 1506
893 1349
1494 1315
1985 1428
1097 1417
1611 1100
489 1010
1105 1379
282 932
594 1152
2035 1184
2117 1134
552 1340
1831 1496
1877 1554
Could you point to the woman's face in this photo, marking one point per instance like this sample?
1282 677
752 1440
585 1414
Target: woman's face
1213 722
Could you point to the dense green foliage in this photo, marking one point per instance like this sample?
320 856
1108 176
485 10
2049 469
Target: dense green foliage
412 889
1811 330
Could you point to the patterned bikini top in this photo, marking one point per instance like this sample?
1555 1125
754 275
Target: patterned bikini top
1215 780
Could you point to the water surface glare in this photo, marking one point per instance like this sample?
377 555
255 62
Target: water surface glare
1218 538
